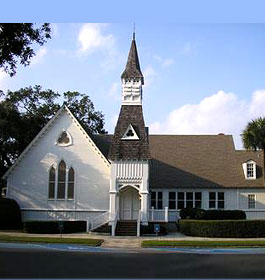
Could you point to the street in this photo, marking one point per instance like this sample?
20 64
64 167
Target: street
43 263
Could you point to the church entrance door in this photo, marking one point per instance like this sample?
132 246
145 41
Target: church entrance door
129 204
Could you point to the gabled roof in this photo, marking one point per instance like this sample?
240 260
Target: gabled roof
196 161
44 130
132 69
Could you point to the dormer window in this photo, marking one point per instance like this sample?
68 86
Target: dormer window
130 134
64 139
249 168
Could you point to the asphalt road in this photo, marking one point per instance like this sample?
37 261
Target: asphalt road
28 263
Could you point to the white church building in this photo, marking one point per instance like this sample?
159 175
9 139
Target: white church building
131 177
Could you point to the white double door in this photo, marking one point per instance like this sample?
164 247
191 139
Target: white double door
129 204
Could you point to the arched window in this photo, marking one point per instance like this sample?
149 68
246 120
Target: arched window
61 180
52 183
71 184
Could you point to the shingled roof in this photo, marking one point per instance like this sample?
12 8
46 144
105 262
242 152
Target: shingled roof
196 161
130 149
132 69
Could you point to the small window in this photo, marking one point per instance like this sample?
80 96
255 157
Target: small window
130 134
198 200
61 180
51 194
216 200
181 200
157 200
221 200
172 200
71 183
189 200
250 170
251 201
64 139
212 199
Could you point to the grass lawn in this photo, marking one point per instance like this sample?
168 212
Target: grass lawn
203 243
80 241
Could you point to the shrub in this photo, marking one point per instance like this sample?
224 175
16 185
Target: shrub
191 213
225 228
46 227
200 214
10 215
224 215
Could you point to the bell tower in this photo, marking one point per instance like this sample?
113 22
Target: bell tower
132 78
129 151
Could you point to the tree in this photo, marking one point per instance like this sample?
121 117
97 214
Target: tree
253 137
15 43
25 112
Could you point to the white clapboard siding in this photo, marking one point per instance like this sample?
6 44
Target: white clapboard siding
28 181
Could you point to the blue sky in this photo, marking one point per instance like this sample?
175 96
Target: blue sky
201 78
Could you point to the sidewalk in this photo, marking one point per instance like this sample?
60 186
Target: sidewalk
122 241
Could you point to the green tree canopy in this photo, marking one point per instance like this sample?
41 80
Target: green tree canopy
25 112
253 137
16 41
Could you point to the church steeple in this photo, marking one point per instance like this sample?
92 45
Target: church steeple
132 78
130 139
132 69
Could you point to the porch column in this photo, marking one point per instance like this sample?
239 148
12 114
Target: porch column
144 207
113 205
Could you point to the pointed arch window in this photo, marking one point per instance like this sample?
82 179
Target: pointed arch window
71 183
61 180
52 183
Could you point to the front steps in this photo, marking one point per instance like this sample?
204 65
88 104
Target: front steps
106 228
126 228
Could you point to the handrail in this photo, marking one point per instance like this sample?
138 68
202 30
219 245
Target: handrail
99 220
139 224
114 223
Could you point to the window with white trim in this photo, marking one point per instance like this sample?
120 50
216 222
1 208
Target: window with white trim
216 200
180 200
71 183
172 200
61 180
61 186
251 201
249 168
51 194
157 199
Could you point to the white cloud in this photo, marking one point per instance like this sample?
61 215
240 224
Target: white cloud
219 113
164 61
91 38
38 58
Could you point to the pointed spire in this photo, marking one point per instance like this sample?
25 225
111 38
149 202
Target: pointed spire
132 69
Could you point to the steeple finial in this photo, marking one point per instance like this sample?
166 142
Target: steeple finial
132 69
133 31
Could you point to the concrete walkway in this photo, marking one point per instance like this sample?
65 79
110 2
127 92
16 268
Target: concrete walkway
122 241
